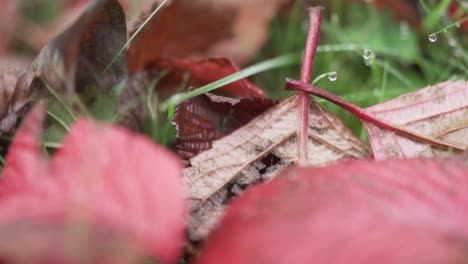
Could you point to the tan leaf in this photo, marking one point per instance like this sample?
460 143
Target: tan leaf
438 112
235 161
16 87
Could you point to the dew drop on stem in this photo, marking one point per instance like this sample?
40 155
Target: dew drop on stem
432 37
332 76
458 24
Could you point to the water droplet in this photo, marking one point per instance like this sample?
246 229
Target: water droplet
452 42
368 62
432 37
332 76
368 54
458 24
445 31
457 53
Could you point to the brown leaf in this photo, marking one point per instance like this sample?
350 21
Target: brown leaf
204 28
77 58
439 112
234 162
16 87
203 119
432 121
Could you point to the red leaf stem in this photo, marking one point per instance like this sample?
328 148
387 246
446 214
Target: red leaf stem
315 19
364 115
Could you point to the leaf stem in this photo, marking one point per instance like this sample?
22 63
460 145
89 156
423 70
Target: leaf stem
315 20
365 115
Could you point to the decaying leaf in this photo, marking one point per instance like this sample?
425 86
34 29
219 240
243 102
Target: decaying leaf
103 181
203 119
359 211
204 28
16 88
77 58
432 121
235 161
438 112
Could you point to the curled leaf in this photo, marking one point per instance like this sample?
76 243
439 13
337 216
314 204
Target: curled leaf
79 57
16 89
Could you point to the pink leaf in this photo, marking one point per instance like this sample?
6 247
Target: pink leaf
103 175
359 211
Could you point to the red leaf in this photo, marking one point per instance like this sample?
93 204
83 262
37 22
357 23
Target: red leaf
200 29
103 175
392 211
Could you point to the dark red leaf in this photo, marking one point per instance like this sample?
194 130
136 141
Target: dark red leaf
393 211
103 176
203 119
200 29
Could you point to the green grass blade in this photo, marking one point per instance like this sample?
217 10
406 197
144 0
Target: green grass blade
124 48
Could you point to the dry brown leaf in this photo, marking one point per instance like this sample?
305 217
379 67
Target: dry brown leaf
438 112
16 87
204 28
78 57
235 161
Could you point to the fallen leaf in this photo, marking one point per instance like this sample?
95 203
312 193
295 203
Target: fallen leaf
234 162
104 178
432 121
203 28
438 112
203 119
78 58
16 88
392 211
